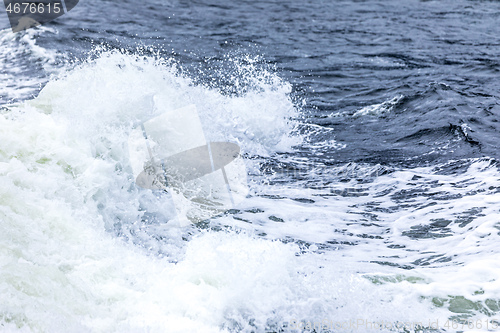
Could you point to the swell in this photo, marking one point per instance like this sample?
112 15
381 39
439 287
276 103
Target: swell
441 122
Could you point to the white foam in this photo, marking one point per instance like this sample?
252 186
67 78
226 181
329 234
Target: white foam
360 220
65 182
17 50
379 109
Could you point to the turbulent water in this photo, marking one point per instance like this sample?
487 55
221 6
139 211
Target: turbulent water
369 130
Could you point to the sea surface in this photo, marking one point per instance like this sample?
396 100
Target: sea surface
370 133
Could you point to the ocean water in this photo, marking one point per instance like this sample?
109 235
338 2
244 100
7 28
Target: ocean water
370 134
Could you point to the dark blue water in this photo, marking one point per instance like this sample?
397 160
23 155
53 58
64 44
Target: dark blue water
340 56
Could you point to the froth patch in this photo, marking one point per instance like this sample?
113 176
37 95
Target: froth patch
119 90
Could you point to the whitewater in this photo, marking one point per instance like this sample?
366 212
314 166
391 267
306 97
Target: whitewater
400 241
